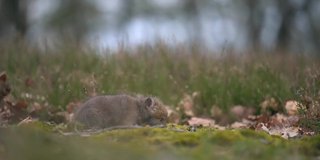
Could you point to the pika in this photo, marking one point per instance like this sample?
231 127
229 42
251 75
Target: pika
120 110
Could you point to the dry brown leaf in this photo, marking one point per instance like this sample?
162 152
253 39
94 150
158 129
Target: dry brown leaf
293 120
285 132
20 105
269 104
26 121
281 125
5 88
292 107
241 112
186 105
3 76
277 120
28 82
281 120
259 118
173 116
262 127
196 121
13 113
237 125
35 107
216 112
69 117
72 106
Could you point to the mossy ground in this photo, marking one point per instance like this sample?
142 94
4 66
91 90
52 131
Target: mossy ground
38 142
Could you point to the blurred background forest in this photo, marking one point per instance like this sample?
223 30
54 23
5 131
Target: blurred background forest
273 25
223 60
170 49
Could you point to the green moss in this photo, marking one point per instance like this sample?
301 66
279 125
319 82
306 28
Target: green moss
309 145
37 125
226 137
153 143
157 136
263 137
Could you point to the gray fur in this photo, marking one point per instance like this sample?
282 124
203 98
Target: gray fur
120 110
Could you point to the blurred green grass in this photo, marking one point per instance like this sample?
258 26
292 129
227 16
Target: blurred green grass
71 74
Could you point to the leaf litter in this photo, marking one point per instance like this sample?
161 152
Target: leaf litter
270 120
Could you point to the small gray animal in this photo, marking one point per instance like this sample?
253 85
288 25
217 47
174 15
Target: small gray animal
120 110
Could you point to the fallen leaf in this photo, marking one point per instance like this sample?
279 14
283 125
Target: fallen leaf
241 112
28 82
285 132
35 107
173 116
72 106
281 120
20 105
26 121
186 105
237 125
292 107
216 112
196 121
259 118
262 127
269 105
69 117
3 76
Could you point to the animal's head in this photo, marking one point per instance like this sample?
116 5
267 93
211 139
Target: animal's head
156 110
4 85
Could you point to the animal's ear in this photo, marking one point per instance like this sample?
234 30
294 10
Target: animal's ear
3 77
149 102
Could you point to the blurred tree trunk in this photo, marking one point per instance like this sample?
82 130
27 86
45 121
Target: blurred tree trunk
194 24
314 31
14 12
73 20
127 13
287 12
254 24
